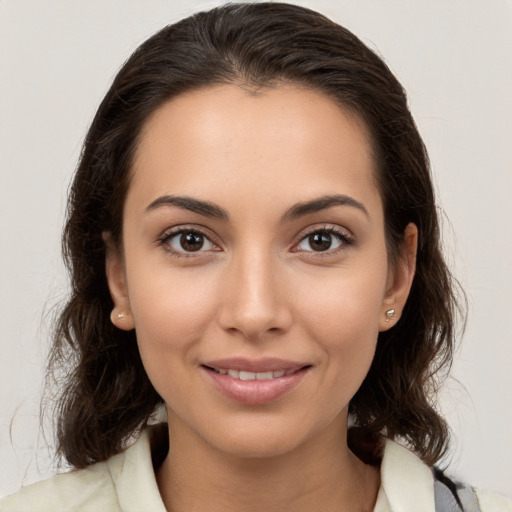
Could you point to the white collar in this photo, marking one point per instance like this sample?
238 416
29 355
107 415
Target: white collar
134 477
406 481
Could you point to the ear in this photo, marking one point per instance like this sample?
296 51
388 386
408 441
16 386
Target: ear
121 315
400 278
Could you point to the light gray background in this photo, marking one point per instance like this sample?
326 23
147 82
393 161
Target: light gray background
57 59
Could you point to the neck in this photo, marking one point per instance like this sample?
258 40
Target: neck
321 474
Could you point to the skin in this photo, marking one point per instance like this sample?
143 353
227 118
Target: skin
257 288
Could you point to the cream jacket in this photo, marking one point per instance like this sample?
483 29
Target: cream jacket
126 483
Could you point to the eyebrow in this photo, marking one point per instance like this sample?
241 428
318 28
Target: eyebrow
210 209
322 203
194 205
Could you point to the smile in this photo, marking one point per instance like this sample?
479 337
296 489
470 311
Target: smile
254 382
246 375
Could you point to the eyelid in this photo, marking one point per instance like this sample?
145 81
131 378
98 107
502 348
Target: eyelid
342 233
170 233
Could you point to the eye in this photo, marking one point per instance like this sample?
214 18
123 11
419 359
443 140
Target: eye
187 241
323 240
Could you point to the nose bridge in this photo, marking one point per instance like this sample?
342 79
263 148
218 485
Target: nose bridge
253 301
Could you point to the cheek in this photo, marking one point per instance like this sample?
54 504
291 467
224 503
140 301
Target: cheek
171 311
346 303
342 315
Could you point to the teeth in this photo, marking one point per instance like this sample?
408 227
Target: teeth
243 375
264 376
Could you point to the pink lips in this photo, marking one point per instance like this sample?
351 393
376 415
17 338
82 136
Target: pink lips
235 378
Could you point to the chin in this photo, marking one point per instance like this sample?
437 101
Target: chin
259 446
269 437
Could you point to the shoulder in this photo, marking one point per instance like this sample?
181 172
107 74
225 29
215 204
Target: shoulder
125 482
461 497
86 489
409 484
493 502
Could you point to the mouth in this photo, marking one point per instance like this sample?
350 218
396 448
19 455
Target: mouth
255 382
248 375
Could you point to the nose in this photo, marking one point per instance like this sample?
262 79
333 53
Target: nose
255 302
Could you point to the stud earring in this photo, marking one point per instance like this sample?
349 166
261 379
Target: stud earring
390 313
116 317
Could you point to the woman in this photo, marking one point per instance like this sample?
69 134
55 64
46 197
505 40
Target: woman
253 242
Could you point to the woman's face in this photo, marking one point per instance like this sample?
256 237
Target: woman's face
254 265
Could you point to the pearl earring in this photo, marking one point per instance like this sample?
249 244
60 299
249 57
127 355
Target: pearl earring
115 317
390 313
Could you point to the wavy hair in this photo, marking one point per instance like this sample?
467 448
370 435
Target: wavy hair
107 396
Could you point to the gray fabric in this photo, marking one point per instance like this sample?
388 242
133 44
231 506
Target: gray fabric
468 498
458 498
444 499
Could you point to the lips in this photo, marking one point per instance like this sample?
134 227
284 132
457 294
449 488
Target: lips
255 382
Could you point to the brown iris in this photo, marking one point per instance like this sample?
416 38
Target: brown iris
191 241
320 241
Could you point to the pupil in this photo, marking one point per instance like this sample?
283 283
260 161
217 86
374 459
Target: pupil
320 241
191 241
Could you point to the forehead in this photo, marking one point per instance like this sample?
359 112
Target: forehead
279 142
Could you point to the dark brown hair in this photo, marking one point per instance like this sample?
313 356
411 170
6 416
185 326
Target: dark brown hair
107 395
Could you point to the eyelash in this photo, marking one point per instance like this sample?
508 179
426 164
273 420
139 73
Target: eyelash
343 237
346 240
163 241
